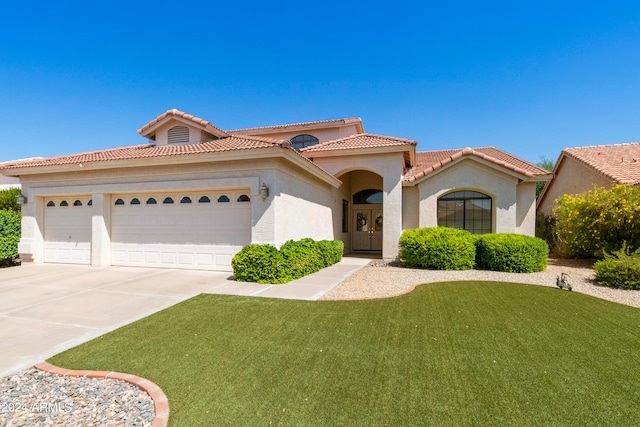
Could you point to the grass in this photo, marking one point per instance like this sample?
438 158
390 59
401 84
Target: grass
458 353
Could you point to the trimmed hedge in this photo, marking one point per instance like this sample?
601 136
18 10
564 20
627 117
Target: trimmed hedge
514 253
264 263
619 269
9 236
438 248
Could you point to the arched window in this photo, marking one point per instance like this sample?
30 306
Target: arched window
167 201
302 141
119 202
151 201
135 201
64 203
244 198
204 199
77 203
466 210
50 204
90 202
370 196
185 199
223 199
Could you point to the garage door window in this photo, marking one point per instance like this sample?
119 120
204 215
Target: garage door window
204 199
151 201
119 202
186 200
135 201
50 204
244 198
167 201
223 199
77 203
64 203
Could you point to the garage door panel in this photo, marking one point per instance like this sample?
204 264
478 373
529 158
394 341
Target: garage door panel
67 231
180 235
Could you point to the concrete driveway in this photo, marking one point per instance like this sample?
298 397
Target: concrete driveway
48 308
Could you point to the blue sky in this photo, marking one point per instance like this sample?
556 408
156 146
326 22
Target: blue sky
530 78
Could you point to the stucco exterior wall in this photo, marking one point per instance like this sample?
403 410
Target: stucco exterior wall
410 208
303 208
526 208
471 175
7 182
571 177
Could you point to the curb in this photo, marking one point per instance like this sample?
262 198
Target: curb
160 401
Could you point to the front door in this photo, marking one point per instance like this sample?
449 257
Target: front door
367 234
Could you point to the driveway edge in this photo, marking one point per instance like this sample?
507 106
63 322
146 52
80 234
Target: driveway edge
160 401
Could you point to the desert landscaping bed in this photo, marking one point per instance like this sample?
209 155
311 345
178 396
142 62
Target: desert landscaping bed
381 281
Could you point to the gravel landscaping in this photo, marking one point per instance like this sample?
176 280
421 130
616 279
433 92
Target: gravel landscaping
382 281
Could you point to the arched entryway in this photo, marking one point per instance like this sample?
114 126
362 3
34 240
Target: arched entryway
363 212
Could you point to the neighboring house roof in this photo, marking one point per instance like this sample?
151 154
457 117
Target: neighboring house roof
230 143
148 130
618 162
428 162
354 142
302 126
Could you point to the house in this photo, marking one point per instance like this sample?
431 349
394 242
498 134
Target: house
580 169
194 194
8 182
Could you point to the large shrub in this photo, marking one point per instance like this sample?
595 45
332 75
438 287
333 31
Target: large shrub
621 269
260 263
9 236
514 253
598 221
295 259
8 199
438 248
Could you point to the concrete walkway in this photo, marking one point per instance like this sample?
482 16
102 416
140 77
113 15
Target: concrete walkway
48 308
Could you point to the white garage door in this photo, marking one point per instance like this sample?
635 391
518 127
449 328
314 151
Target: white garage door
67 230
199 231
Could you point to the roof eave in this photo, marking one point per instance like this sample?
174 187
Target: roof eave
357 151
439 167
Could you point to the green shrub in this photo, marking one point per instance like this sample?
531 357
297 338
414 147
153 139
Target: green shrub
9 236
295 259
8 199
598 221
619 269
260 263
514 253
438 248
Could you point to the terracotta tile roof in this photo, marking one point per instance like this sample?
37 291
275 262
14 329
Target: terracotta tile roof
231 143
365 140
181 114
430 161
322 123
618 162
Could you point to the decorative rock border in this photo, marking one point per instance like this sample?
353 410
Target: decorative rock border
160 401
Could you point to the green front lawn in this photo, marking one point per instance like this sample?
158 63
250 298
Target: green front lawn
459 353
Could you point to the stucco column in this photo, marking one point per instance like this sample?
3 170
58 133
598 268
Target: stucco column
31 245
101 230
392 211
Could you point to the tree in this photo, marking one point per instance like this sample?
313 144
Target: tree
547 164
8 200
